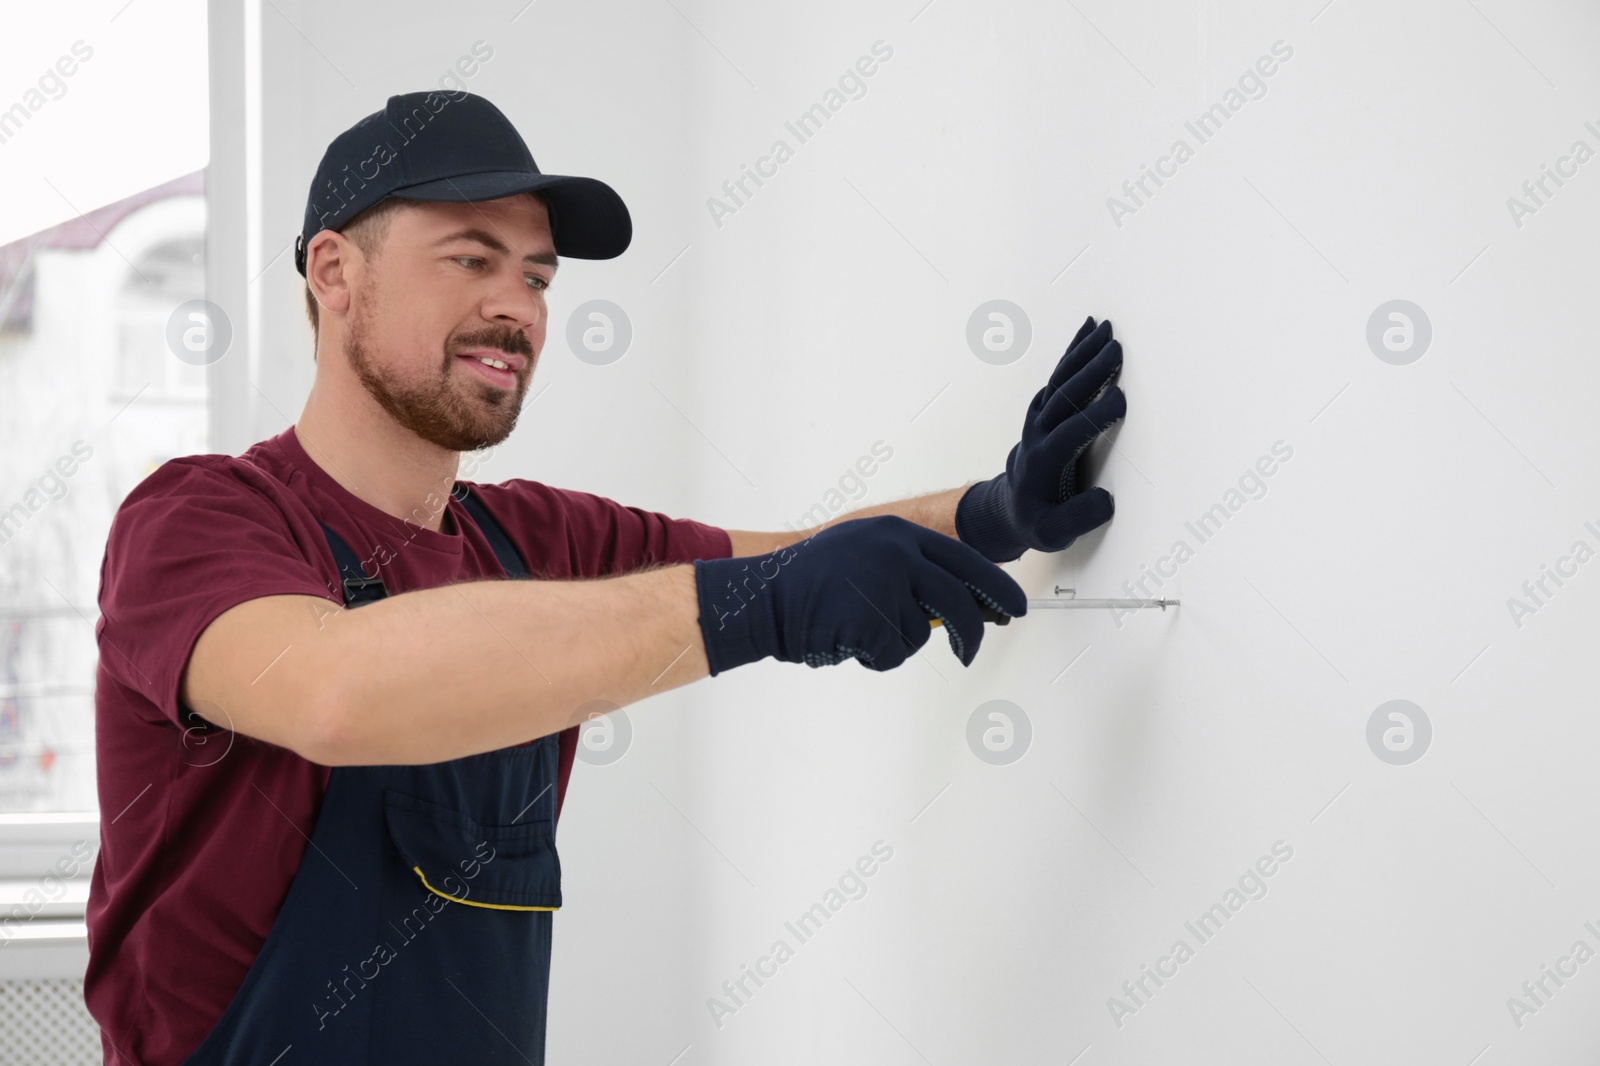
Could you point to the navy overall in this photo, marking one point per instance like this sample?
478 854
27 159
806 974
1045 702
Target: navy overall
417 927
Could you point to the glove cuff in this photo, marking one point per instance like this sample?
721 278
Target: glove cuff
738 620
982 523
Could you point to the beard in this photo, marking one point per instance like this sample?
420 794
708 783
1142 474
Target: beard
460 416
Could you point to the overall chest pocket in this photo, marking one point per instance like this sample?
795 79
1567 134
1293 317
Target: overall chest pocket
502 867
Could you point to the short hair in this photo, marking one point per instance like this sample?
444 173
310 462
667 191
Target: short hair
368 231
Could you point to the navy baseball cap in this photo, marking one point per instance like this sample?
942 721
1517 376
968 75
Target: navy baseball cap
455 146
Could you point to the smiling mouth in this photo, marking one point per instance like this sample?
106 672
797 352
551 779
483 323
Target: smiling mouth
492 369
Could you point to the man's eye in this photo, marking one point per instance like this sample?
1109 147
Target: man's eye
538 284
468 260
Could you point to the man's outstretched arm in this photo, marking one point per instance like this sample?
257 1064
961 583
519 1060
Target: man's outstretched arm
935 510
443 672
455 670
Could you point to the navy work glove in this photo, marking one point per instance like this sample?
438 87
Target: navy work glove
867 588
1041 501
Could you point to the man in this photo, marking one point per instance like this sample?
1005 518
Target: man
329 832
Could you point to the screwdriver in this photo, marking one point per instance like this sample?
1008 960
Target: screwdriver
991 615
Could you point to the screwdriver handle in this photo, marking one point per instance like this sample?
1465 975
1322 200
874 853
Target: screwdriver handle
989 615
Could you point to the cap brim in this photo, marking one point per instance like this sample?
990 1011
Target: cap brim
591 221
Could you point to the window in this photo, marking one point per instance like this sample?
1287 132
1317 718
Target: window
165 277
94 260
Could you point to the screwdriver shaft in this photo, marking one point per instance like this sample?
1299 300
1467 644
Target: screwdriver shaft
991 615
1125 605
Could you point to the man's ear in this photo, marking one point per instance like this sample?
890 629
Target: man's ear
329 259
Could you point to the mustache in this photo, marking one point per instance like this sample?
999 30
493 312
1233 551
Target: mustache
513 341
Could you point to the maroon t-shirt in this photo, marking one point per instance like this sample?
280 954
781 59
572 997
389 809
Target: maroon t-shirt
199 840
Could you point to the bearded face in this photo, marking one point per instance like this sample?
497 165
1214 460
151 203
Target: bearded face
436 394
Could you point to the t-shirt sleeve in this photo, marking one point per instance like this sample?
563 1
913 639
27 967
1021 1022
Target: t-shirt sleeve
632 538
190 541
598 536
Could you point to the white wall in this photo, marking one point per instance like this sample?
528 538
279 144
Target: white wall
1167 755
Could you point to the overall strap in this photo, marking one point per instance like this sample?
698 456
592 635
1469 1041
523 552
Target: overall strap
357 588
503 549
